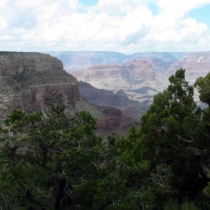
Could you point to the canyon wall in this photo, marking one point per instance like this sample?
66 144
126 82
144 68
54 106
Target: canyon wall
143 75
26 78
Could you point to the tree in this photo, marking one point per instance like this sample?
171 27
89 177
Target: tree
53 160
48 160
173 133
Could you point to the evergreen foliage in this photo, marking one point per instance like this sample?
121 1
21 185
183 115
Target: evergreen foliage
52 160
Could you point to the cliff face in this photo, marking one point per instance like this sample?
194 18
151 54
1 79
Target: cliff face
113 120
137 69
26 78
117 100
196 64
139 79
143 75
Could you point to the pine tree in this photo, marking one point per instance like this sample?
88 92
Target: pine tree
173 133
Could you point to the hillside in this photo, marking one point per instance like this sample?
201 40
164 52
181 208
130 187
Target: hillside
143 75
27 79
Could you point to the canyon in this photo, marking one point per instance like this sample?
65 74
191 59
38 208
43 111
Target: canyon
140 76
116 89
28 79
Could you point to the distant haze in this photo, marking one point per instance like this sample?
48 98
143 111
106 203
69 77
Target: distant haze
77 60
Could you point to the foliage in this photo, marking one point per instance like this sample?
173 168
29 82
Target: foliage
174 132
53 159
50 160
44 157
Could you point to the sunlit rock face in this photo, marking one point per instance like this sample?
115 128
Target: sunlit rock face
26 78
196 64
143 75
139 79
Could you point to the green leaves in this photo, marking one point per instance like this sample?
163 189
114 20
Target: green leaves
45 157
53 159
175 132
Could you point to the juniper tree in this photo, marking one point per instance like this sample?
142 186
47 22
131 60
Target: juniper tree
173 132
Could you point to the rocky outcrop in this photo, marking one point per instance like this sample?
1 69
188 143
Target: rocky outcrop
26 78
139 79
196 64
117 100
143 75
137 69
113 120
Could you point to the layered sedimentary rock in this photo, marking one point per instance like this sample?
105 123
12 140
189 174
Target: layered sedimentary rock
143 75
118 100
26 78
139 79
113 120
196 64
137 69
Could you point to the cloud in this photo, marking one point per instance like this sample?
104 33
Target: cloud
120 25
3 22
3 3
26 3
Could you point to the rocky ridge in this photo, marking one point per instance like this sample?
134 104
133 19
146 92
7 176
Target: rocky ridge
108 98
139 79
27 78
196 64
145 76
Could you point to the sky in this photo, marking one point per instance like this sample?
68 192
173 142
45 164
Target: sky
127 26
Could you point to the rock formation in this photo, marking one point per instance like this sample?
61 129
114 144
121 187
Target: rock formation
143 75
139 79
196 64
114 120
26 78
108 98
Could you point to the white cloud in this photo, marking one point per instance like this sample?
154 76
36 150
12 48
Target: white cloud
192 28
3 22
3 3
73 4
179 7
26 3
115 6
5 37
187 30
120 25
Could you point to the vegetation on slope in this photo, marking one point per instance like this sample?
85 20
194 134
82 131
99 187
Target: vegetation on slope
54 160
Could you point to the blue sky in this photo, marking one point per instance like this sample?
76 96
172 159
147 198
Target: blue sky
201 14
126 26
89 3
